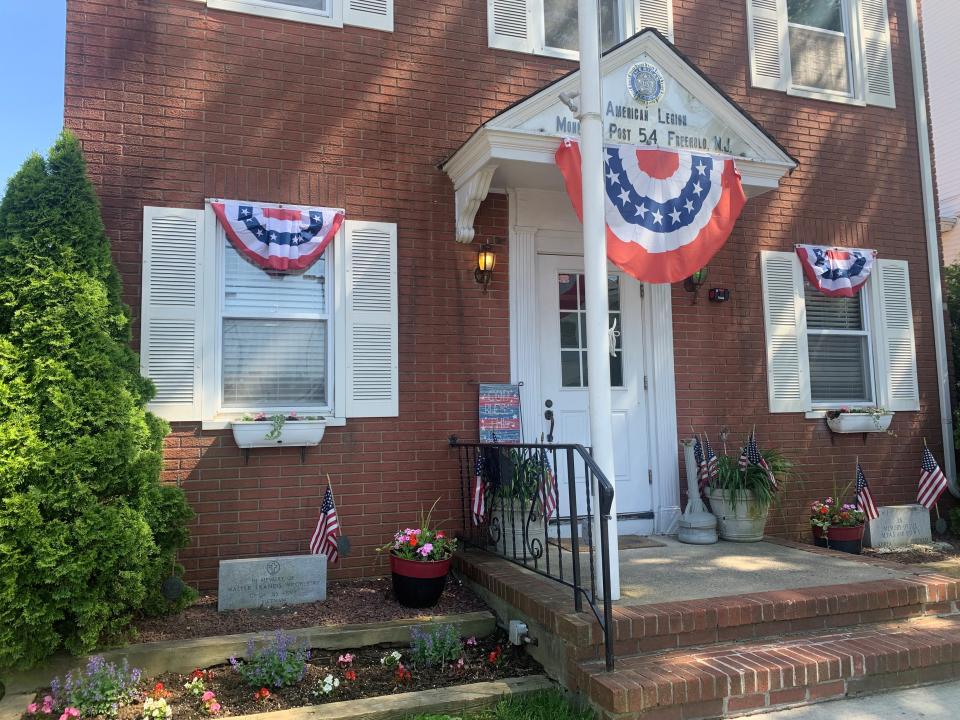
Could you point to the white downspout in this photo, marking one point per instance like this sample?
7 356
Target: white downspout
595 272
933 248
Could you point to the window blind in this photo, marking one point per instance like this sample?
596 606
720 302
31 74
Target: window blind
249 291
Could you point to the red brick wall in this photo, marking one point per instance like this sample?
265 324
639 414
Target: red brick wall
175 103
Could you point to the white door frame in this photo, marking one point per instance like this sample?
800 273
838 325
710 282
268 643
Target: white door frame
529 212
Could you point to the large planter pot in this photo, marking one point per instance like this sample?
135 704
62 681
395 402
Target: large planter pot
512 535
844 539
296 433
418 583
859 423
743 522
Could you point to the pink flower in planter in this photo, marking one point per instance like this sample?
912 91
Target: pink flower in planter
472 641
207 696
70 712
260 417
426 549
214 708
32 708
345 660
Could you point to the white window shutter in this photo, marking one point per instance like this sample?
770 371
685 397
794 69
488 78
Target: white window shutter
376 14
509 25
657 14
877 57
370 283
769 49
896 352
170 316
784 315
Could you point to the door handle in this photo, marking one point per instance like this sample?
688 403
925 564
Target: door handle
548 415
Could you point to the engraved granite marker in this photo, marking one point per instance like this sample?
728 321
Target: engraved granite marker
271 582
898 526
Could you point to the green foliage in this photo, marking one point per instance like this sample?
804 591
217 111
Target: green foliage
951 281
955 521
278 664
740 483
545 705
87 533
435 646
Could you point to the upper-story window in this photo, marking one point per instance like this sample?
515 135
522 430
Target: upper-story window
837 50
549 27
376 14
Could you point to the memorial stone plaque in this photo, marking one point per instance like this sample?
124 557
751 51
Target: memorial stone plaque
271 582
898 526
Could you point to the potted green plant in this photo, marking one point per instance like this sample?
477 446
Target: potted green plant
741 498
515 523
420 562
271 429
836 525
859 419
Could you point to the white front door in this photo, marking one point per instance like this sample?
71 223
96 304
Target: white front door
563 379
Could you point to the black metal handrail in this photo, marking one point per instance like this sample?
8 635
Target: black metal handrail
519 484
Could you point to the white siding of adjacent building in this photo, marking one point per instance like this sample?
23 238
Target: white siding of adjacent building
941 28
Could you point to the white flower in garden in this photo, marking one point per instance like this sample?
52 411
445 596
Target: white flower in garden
391 659
156 709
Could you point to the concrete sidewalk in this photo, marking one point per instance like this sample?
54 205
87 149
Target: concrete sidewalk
935 702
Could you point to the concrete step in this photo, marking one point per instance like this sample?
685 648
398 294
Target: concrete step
726 680
690 623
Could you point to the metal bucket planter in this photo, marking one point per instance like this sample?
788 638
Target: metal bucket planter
511 533
743 522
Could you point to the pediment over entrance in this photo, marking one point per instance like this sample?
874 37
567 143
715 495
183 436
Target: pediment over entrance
652 96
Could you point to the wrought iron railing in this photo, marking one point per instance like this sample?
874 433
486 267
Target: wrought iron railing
536 508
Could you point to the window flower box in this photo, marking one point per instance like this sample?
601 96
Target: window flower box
866 420
274 430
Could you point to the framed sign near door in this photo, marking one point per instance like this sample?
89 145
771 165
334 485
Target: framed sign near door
499 413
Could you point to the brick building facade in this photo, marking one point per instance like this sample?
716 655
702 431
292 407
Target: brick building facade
176 102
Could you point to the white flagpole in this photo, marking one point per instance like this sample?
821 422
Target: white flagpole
595 271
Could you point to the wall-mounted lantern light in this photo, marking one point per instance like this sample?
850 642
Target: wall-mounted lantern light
486 260
692 284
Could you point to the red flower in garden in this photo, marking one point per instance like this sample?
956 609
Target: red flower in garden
413 542
196 674
350 675
402 675
159 692
494 656
261 694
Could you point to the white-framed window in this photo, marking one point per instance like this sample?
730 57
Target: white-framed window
838 349
549 27
221 338
836 50
825 352
376 14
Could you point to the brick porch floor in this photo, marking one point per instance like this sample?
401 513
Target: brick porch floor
773 645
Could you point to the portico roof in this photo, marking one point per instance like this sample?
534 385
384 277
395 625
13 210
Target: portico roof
652 95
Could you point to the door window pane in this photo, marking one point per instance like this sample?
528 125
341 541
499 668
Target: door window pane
573 330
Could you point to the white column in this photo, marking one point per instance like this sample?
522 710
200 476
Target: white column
524 333
595 270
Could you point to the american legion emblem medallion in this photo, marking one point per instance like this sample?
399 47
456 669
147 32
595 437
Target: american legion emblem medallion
645 83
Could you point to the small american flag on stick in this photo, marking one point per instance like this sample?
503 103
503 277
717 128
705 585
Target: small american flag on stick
324 538
932 480
478 506
547 491
865 502
751 456
701 464
712 463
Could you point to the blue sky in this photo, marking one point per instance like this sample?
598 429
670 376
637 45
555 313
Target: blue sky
31 58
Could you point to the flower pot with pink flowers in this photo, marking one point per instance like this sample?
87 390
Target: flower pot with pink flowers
281 428
837 525
420 562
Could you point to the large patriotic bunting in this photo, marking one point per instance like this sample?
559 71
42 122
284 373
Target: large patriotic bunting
278 239
667 213
837 272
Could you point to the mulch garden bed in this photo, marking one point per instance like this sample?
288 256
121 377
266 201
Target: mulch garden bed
372 678
348 602
944 547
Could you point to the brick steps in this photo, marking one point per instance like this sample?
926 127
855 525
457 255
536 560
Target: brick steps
730 679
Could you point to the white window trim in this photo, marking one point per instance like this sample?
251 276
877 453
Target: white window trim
851 22
870 331
214 416
265 8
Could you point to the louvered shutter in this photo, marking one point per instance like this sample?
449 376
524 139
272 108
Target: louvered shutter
376 14
370 280
877 59
895 351
788 371
509 25
657 14
170 315
767 31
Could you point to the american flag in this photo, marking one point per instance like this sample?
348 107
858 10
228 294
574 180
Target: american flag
864 497
751 455
710 458
324 538
547 491
932 480
701 463
478 506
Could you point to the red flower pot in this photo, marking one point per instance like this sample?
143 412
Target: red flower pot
418 583
845 539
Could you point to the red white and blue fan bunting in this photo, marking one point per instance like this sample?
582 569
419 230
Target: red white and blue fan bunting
837 272
667 213
278 239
